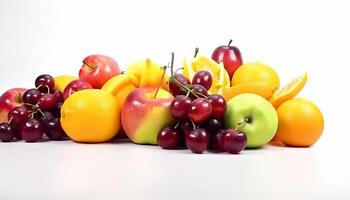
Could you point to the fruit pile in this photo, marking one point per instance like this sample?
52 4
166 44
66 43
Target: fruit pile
219 104
38 114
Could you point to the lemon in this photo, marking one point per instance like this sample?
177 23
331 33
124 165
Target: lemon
255 72
91 116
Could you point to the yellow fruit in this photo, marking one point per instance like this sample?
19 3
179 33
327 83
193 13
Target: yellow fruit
62 81
289 91
260 88
145 73
220 76
300 123
255 72
119 86
91 116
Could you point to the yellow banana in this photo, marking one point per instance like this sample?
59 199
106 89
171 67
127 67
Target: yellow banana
119 86
145 73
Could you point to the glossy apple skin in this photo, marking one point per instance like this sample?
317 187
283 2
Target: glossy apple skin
8 100
75 86
143 116
263 120
98 69
230 56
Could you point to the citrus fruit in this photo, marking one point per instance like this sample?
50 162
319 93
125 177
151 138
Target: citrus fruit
220 76
289 91
255 72
62 81
90 116
263 89
300 123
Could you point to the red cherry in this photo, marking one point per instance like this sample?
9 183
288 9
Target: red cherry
200 110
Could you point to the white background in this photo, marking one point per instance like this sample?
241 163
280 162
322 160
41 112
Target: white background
292 36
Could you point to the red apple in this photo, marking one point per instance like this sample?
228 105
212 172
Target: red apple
10 99
230 56
75 86
143 116
98 69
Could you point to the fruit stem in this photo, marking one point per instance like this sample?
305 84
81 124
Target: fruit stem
193 125
177 124
247 120
196 52
172 63
161 81
229 43
10 120
187 89
90 68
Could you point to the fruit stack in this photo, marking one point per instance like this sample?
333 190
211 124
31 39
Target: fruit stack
219 104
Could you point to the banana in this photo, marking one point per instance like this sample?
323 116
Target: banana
119 86
146 73
263 89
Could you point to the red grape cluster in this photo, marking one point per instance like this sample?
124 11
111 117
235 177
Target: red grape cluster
199 117
39 114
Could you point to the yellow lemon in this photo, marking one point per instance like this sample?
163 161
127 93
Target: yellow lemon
62 81
91 116
255 72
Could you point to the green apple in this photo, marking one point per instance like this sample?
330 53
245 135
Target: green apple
144 114
253 115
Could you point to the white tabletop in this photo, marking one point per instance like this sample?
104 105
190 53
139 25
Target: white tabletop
122 170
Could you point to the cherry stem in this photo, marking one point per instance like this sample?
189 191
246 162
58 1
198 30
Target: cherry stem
193 125
196 52
48 88
172 63
161 81
229 43
10 120
177 124
186 88
178 70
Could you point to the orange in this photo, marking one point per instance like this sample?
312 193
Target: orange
260 88
300 123
289 91
91 116
62 81
255 72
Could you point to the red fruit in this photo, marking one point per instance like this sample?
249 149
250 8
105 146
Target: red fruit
217 141
8 100
203 78
197 140
6 133
32 130
174 84
98 69
230 56
233 141
168 138
200 110
31 96
17 116
200 91
219 105
44 83
47 101
179 107
75 86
